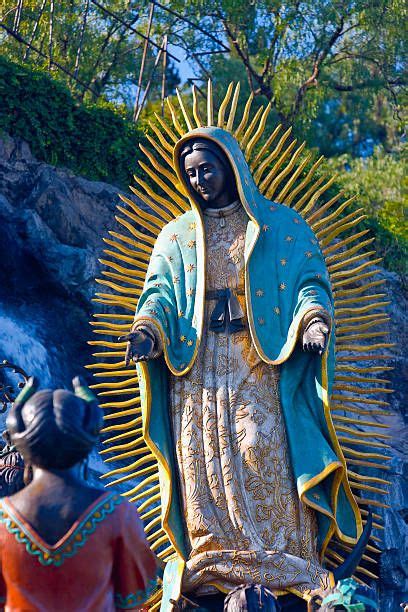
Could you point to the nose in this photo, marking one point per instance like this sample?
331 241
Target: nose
201 182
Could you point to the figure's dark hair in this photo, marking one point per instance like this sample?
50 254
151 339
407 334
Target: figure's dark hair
199 144
54 429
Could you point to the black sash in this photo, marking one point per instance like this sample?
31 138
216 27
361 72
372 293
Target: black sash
227 316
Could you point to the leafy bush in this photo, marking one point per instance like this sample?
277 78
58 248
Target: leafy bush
93 140
381 184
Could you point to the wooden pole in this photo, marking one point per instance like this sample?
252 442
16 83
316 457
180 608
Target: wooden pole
146 91
51 30
34 32
81 39
142 65
21 40
163 87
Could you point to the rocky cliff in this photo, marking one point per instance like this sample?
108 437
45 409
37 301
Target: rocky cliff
51 237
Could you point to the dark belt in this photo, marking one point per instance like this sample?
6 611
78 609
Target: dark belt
227 316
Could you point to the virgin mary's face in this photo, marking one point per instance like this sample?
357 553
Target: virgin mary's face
206 176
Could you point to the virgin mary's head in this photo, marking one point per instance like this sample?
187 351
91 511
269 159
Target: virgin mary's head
207 173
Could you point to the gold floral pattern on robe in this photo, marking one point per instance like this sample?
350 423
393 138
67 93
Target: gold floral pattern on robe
244 519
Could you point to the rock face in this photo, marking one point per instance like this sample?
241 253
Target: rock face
52 224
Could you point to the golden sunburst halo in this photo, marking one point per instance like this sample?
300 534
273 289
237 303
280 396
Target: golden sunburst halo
283 173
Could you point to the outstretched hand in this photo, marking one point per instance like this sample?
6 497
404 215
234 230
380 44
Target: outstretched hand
315 337
140 346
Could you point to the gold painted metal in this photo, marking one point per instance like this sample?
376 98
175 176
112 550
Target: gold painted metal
265 147
170 176
164 143
176 122
258 171
210 104
288 201
233 110
259 132
313 200
186 116
166 128
180 202
167 158
245 117
309 193
290 182
311 219
223 106
277 181
196 112
344 242
247 134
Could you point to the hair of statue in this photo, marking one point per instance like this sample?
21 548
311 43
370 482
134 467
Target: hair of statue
54 429
203 144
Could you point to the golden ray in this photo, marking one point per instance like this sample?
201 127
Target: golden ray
121 277
174 118
171 176
311 219
164 143
260 130
293 178
341 257
167 158
275 168
342 228
121 269
344 242
245 117
265 147
310 205
186 116
275 184
196 112
223 106
273 155
126 445
210 104
148 221
330 227
245 136
166 128
168 206
180 202
162 215
288 201
327 220
233 110
357 300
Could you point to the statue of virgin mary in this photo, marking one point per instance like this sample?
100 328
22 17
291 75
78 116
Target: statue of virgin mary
234 339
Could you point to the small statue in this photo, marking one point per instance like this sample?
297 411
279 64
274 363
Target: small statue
66 545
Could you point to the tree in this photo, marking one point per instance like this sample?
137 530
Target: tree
98 43
305 57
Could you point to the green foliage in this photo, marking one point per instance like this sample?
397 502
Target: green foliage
335 70
381 184
95 141
104 53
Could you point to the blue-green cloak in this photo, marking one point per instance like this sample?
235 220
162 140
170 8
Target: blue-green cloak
285 278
